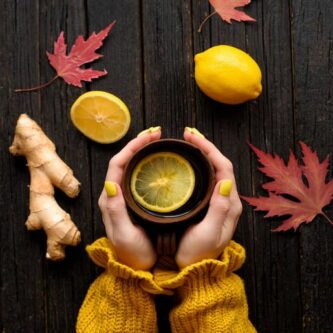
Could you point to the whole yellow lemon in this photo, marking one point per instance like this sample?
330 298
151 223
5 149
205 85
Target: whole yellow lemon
227 74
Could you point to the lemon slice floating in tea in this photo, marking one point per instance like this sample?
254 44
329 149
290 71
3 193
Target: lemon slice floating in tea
162 182
101 116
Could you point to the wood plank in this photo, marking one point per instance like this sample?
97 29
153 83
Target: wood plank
312 31
21 251
228 128
201 41
168 63
231 132
122 59
9 307
276 255
65 282
43 300
168 85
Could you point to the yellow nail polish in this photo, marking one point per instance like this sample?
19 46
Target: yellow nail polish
155 129
146 131
110 188
149 130
196 132
225 187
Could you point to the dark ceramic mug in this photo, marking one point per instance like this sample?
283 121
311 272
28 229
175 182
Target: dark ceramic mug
166 228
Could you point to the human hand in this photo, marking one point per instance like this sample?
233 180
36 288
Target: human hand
208 238
130 242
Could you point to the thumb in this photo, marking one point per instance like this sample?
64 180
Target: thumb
115 212
219 205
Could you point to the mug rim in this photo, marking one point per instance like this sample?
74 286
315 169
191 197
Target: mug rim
132 204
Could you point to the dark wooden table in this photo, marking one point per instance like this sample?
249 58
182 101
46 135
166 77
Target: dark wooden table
149 57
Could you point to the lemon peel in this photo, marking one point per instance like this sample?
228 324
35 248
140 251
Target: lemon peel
101 116
162 182
228 74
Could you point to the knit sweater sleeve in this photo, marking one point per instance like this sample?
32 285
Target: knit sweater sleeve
211 297
120 300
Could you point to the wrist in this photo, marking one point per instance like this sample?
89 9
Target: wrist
190 257
133 249
142 262
207 270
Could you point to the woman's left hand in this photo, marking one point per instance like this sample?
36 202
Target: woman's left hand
208 238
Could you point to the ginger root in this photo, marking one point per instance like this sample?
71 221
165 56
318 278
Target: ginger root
46 169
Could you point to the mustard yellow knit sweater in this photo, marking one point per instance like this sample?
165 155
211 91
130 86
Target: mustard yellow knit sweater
210 297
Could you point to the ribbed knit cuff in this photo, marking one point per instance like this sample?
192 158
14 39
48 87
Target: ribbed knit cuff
120 300
102 254
231 259
211 297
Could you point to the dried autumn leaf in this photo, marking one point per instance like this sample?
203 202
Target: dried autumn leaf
68 67
310 197
227 11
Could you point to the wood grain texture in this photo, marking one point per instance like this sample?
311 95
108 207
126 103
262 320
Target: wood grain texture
63 287
168 81
168 65
312 31
272 129
123 60
149 58
22 262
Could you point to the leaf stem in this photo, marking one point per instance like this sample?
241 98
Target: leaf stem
327 218
205 20
44 85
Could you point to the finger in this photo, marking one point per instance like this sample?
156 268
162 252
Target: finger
207 235
221 212
118 162
113 208
222 165
131 244
219 205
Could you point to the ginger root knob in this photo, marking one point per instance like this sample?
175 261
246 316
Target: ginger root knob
47 170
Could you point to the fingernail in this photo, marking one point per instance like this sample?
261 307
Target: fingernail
155 129
225 187
110 188
146 131
149 130
194 131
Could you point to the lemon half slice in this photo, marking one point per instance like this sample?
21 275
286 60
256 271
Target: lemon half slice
101 116
162 182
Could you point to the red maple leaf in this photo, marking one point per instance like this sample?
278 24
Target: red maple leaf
310 196
68 67
227 11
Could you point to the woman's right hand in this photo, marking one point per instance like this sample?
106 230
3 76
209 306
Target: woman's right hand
130 242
